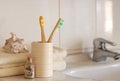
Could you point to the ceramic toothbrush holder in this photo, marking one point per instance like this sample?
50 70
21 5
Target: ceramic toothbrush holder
42 55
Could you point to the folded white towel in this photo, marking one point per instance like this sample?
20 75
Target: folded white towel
12 60
6 58
11 71
3 66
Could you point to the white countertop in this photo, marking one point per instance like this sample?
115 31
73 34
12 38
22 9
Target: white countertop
57 76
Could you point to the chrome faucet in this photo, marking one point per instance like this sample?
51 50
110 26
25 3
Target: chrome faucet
100 52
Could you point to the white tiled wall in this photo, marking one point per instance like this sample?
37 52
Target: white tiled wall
79 27
82 21
114 34
22 18
116 20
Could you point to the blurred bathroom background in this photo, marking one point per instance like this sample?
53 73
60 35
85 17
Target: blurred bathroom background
84 20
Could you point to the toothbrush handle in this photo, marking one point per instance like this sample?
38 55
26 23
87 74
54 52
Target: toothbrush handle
43 38
52 33
41 21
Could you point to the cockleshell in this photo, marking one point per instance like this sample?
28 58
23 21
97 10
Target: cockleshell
15 45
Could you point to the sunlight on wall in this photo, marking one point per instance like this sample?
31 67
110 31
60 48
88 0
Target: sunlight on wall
108 17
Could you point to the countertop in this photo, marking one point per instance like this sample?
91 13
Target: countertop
57 75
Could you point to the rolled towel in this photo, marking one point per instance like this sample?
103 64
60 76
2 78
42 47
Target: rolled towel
59 65
58 58
59 51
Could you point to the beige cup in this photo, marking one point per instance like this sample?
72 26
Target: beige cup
42 54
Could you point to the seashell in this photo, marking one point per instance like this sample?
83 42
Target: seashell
15 45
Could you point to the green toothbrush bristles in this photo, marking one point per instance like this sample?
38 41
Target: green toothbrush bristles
61 23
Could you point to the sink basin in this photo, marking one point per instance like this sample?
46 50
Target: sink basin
108 70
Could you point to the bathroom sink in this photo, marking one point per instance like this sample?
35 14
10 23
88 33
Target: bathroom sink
108 70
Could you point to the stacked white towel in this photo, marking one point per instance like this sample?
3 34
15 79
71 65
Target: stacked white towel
13 64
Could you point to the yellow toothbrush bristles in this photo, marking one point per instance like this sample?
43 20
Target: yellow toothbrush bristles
52 33
41 21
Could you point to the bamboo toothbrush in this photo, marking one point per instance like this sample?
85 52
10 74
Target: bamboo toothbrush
58 25
41 21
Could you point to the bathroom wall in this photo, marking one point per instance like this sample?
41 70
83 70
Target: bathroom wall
107 17
79 28
21 17
84 20
104 19
116 20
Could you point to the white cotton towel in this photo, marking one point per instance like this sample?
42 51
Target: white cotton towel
59 65
12 60
12 71
6 58
59 55
59 52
